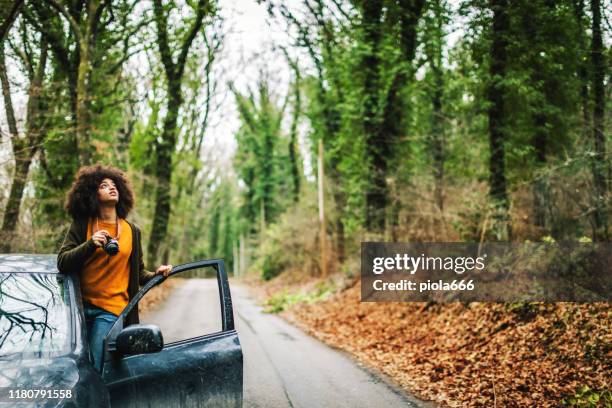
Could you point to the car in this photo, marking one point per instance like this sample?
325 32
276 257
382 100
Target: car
45 357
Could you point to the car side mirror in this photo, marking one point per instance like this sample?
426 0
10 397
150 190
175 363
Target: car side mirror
139 339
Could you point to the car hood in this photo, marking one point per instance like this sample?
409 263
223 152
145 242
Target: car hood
59 373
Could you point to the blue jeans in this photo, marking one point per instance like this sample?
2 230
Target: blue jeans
99 322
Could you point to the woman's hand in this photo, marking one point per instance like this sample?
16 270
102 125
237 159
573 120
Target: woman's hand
99 238
164 269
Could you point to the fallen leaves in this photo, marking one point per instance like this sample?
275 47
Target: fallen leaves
474 355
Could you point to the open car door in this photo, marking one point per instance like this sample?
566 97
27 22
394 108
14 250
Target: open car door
205 371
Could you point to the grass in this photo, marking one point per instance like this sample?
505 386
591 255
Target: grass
282 300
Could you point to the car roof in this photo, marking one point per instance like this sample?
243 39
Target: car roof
28 263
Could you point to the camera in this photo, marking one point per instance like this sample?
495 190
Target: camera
112 246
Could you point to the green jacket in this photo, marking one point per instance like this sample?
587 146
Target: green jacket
78 248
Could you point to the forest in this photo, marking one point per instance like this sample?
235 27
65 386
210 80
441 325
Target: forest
438 121
365 120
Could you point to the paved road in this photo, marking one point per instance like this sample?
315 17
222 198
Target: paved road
283 367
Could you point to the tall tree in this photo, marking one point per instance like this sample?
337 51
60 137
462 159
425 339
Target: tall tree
433 45
532 17
26 146
260 154
293 135
384 115
193 172
582 59
324 34
543 55
496 113
377 142
174 68
600 164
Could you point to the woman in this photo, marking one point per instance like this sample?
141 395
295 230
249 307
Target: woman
99 202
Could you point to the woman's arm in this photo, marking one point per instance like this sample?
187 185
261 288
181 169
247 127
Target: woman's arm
74 252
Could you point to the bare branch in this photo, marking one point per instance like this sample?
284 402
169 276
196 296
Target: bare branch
10 19
18 51
6 93
162 38
341 10
193 31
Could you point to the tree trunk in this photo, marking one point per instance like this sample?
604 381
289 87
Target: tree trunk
599 163
531 23
438 138
540 186
583 74
165 148
376 194
433 51
163 172
383 125
497 132
293 153
83 117
82 113
23 148
340 252
11 212
6 94
332 127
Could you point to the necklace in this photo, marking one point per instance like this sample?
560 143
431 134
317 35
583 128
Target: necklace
117 227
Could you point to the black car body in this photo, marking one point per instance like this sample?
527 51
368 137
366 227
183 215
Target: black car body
43 346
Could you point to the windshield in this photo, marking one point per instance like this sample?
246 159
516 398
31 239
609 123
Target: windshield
34 315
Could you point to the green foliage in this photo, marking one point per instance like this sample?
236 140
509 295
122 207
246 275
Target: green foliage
54 178
587 397
221 222
142 142
290 243
261 159
272 266
524 311
283 300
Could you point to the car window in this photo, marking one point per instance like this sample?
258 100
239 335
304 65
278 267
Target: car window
34 315
184 306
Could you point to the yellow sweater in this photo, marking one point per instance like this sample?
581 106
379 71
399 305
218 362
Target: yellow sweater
105 278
